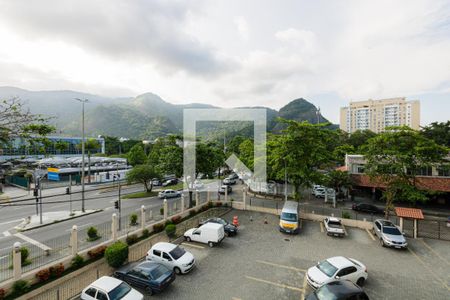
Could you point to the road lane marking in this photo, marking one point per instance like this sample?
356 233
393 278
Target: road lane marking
6 233
435 253
280 266
81 226
275 284
33 242
429 269
234 298
13 221
370 234
302 297
192 245
321 226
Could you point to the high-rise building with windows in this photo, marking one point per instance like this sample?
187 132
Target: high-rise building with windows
376 115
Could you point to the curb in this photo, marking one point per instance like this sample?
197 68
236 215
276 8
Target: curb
58 221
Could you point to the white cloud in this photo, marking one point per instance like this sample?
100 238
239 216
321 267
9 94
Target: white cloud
242 27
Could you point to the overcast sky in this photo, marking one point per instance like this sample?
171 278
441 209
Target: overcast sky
233 53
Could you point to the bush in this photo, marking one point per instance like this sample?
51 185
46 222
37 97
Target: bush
346 215
43 275
171 229
77 261
132 239
192 213
20 287
176 219
161 210
24 253
116 254
92 234
219 204
145 233
133 219
2 294
158 227
97 252
56 270
167 223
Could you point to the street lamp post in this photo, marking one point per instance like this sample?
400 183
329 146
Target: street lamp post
285 180
83 101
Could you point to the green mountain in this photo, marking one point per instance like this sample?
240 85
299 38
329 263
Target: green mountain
146 116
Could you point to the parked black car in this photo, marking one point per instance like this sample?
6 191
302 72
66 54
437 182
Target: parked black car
170 182
151 276
338 290
222 189
369 208
230 229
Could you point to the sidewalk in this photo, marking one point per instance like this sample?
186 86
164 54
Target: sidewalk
32 222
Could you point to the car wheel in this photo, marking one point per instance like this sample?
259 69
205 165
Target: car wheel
177 270
382 243
149 290
210 244
360 281
188 239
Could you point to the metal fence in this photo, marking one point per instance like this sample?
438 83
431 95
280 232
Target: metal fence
6 271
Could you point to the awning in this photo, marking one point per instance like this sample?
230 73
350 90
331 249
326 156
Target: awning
410 213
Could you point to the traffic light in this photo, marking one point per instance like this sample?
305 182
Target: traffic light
35 192
67 190
116 204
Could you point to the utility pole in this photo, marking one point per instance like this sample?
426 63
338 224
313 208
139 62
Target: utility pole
285 181
83 101
120 210
40 202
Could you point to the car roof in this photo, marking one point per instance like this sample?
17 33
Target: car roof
106 283
290 206
148 265
334 219
212 225
386 222
340 262
163 246
343 288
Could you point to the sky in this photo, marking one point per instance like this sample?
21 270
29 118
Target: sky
233 53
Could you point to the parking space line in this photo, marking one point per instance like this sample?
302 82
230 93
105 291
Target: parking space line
280 266
302 297
434 252
370 234
234 298
321 226
429 269
192 245
345 230
275 283
301 224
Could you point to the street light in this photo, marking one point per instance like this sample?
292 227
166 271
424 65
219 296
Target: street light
83 101
285 180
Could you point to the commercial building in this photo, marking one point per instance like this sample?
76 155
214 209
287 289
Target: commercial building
376 115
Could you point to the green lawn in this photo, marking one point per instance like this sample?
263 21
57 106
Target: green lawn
140 195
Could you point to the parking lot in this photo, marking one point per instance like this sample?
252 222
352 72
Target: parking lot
262 263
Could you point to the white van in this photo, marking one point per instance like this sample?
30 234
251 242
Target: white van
209 233
289 217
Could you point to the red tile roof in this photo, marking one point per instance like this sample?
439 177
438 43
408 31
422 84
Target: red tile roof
343 168
412 213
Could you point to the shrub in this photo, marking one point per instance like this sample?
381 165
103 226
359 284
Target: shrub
133 219
192 213
145 233
2 294
56 270
346 215
176 219
24 253
77 261
210 204
167 223
116 254
171 229
158 227
132 239
43 275
161 210
92 234
97 252
219 203
20 287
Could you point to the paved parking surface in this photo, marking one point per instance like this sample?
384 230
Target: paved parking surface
262 263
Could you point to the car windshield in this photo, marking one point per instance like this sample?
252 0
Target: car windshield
391 230
222 221
327 268
156 272
289 217
119 292
334 224
177 253
324 293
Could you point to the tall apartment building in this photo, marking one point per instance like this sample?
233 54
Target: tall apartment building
376 115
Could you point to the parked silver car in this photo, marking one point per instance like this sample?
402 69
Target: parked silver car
389 234
169 194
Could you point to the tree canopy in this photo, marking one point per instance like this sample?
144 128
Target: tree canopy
143 174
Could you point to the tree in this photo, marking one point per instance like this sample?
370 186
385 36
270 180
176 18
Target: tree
359 138
395 157
143 174
246 153
337 180
167 156
209 157
438 132
137 156
302 148
61 146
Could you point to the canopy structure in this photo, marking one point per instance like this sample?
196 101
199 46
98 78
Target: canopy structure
409 213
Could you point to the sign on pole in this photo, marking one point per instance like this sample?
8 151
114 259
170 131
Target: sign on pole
53 174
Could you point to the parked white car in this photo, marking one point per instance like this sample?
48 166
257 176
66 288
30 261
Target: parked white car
110 288
209 233
169 194
172 256
229 181
336 268
334 226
